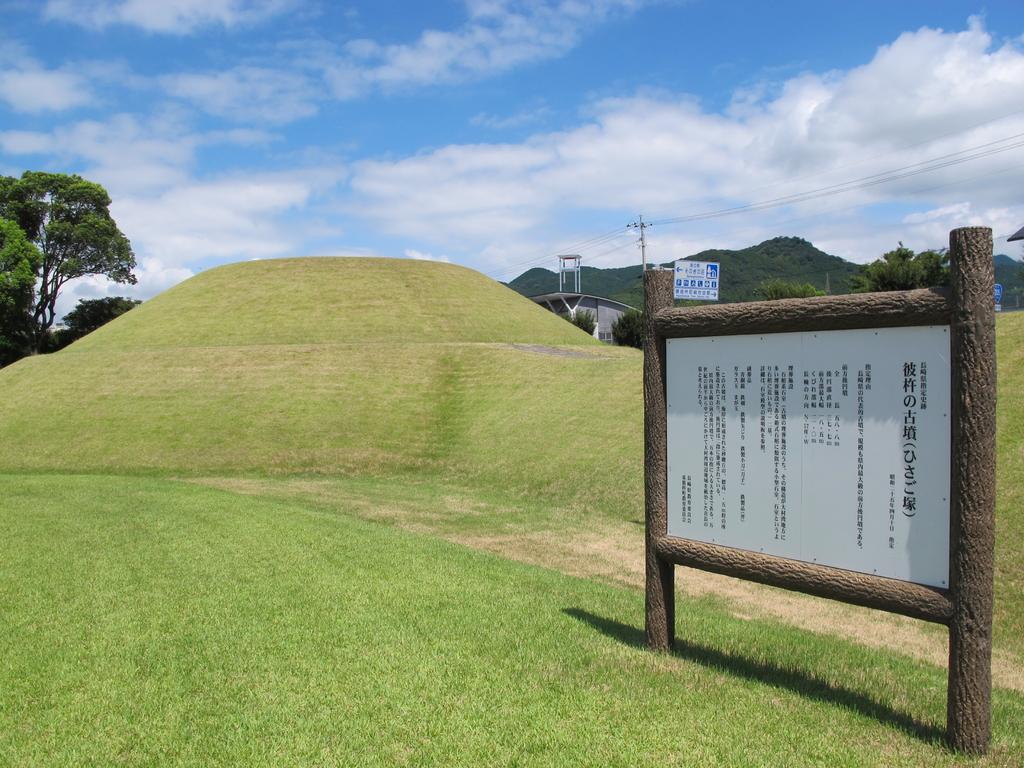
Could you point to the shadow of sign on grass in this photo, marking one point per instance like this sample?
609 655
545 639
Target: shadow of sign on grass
796 681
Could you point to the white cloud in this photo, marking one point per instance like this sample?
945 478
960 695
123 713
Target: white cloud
175 221
946 212
153 278
498 36
198 223
33 89
25 142
247 93
928 94
125 154
202 222
412 253
165 16
122 153
497 205
28 86
516 120
221 220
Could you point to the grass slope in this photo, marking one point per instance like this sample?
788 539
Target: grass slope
333 301
144 621
420 379
477 414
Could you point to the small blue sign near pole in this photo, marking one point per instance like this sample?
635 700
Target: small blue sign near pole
999 297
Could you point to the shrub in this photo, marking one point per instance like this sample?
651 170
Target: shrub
901 270
628 330
584 320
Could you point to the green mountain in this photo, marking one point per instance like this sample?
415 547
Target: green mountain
786 258
615 283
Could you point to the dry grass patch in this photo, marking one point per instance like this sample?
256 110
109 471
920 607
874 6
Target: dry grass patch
610 551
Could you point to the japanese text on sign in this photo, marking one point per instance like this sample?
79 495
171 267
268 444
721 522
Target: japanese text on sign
696 280
829 447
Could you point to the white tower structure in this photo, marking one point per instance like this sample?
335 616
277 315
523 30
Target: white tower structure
569 265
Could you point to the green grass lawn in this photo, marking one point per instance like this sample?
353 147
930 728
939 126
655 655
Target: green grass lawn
146 621
1010 483
557 431
479 414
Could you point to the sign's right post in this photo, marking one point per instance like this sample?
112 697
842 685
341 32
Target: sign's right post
973 485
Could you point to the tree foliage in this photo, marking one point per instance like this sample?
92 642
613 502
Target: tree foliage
628 329
90 314
19 260
584 320
68 218
771 290
902 270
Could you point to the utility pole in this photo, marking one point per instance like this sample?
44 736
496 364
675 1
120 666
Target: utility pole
642 227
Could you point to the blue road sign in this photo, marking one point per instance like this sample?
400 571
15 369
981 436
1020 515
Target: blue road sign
999 293
697 280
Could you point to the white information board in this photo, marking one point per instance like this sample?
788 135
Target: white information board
831 447
696 280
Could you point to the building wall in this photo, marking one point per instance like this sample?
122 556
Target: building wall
606 313
604 310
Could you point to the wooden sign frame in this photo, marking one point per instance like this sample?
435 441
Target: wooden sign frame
966 607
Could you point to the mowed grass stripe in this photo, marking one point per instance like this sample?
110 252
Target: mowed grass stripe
487 415
144 621
329 300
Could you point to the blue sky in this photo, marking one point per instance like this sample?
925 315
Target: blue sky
498 133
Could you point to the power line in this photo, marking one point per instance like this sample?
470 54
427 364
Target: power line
915 169
618 248
580 245
977 152
895 226
583 245
900 149
855 206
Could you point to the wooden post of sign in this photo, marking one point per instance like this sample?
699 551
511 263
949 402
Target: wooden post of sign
973 485
660 586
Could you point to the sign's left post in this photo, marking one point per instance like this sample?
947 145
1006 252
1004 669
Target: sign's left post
660 587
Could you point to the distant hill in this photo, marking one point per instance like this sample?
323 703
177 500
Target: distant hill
1010 274
786 258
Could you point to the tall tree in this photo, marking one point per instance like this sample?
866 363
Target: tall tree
19 260
901 270
68 218
772 290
